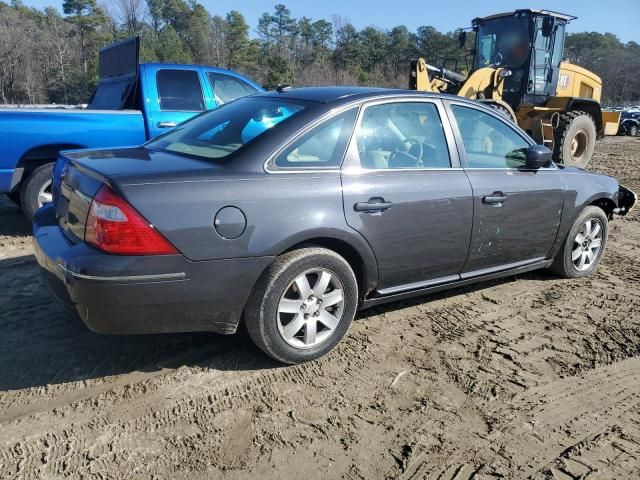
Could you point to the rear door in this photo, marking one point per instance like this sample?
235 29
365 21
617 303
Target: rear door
405 192
516 210
174 94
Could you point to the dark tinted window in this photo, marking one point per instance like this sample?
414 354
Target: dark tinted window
219 133
227 88
110 95
180 90
321 147
489 142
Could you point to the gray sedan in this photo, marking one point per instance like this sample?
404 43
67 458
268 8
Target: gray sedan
291 210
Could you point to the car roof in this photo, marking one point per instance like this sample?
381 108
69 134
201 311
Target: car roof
339 94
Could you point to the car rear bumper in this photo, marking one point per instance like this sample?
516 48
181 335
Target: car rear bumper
142 294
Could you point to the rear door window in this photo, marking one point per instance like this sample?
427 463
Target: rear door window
227 88
179 90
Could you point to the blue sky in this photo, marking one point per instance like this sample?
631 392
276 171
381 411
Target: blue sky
621 17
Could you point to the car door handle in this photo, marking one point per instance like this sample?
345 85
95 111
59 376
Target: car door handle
496 199
166 124
375 204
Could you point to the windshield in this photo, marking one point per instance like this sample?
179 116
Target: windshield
217 134
502 42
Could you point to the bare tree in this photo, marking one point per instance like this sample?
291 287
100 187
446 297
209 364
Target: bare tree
130 14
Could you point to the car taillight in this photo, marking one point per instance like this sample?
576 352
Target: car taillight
115 227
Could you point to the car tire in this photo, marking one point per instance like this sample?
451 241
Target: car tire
633 131
573 260
32 187
284 315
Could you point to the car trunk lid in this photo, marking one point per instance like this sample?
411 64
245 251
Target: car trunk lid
78 175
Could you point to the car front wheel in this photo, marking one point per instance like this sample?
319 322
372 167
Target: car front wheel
584 246
303 305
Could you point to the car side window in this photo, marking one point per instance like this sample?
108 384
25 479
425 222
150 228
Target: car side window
179 90
227 88
321 147
488 141
402 135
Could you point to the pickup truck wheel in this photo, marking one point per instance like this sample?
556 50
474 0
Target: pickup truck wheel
35 190
303 305
633 131
584 245
14 197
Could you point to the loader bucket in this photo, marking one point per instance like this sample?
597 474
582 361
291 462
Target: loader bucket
611 122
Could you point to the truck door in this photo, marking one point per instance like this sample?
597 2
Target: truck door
173 94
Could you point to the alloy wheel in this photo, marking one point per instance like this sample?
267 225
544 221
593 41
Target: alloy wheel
587 245
44 194
311 308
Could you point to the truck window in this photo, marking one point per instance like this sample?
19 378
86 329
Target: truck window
227 88
179 90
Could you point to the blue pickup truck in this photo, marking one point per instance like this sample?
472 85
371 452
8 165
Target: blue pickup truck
131 104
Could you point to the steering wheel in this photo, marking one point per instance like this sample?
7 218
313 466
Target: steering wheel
405 158
415 141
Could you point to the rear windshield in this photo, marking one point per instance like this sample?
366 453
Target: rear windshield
217 134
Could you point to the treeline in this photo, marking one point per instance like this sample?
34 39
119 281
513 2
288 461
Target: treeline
48 57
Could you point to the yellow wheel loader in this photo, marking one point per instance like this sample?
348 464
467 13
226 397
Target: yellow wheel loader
518 69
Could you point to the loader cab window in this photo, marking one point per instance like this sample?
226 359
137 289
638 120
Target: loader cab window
502 42
545 58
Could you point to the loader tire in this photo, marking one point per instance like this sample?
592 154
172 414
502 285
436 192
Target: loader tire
575 139
502 108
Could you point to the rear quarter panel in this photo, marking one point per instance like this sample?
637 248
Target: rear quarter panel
281 210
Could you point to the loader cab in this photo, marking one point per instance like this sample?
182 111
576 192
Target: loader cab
529 45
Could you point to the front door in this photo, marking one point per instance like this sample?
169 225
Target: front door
516 210
405 192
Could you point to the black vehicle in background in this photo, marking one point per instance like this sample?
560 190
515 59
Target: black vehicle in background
629 123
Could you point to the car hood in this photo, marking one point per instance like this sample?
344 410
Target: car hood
139 165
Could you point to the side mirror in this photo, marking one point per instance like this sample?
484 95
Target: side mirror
462 38
538 156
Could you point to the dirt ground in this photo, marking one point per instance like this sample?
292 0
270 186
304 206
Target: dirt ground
528 377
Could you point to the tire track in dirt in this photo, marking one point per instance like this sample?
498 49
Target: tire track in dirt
159 402
555 417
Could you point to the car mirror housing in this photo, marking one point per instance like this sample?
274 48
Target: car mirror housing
538 156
